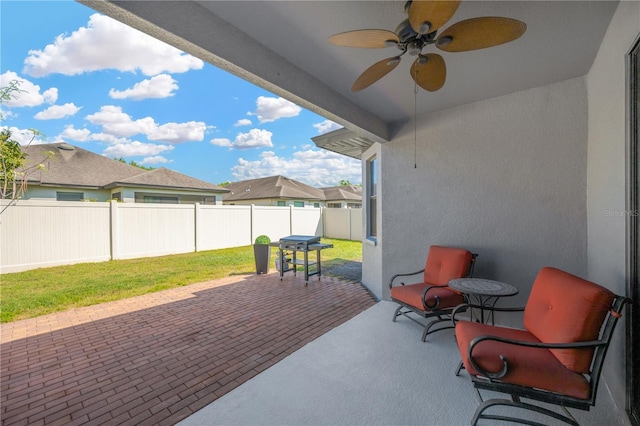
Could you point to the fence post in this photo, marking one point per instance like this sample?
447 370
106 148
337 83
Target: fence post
115 228
196 226
290 219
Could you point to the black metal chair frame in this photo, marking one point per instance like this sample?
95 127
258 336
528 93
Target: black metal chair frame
489 380
442 315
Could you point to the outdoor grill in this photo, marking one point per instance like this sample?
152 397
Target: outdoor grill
288 247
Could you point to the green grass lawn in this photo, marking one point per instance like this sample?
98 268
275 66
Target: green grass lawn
41 291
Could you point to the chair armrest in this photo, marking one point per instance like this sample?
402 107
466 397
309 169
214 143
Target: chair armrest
464 306
424 299
505 362
403 275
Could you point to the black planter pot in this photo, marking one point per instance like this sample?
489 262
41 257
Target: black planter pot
262 254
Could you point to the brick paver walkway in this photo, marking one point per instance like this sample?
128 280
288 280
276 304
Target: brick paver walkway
158 358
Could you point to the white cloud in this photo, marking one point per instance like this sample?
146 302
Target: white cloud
326 126
105 137
254 138
117 123
135 149
221 142
108 44
160 86
178 132
243 122
314 167
70 132
271 109
57 111
29 94
156 159
24 136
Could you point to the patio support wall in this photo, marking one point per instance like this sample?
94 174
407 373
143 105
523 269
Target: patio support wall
504 177
36 234
606 174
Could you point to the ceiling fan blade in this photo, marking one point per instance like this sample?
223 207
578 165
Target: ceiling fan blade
431 74
427 16
368 39
375 72
479 33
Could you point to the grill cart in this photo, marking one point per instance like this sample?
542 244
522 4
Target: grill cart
288 247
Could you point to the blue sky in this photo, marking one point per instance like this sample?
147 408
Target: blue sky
95 83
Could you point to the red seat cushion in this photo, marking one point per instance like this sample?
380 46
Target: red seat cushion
563 308
532 367
446 263
412 295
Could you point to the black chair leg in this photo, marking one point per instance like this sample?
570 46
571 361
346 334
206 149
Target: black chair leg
499 401
396 314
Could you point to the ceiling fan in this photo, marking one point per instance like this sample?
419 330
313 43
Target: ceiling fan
419 31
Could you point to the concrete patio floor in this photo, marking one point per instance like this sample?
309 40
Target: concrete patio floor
371 371
158 358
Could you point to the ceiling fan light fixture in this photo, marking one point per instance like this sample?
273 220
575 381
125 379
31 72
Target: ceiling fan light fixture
393 61
414 48
443 41
422 59
424 28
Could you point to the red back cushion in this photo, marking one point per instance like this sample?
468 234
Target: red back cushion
446 263
563 308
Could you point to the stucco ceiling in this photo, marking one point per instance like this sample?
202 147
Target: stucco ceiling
282 46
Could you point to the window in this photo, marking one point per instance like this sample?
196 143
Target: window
69 196
149 197
116 196
298 204
316 205
372 202
159 199
354 205
281 204
334 205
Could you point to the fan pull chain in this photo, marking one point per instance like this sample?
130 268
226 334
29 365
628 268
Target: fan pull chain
415 121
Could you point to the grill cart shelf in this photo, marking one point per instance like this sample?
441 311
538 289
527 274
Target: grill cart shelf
288 247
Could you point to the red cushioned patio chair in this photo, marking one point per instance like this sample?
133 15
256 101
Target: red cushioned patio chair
558 356
432 298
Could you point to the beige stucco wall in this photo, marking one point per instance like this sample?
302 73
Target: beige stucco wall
505 178
606 172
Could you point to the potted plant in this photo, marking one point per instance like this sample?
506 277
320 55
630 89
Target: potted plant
262 253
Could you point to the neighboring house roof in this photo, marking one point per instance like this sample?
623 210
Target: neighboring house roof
272 187
76 167
344 192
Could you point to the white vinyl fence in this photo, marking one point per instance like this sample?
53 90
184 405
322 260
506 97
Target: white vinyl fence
35 234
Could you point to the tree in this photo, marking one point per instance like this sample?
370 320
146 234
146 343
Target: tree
13 171
225 184
134 164
344 182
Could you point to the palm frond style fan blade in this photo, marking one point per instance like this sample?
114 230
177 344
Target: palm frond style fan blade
368 39
375 72
427 16
430 75
479 33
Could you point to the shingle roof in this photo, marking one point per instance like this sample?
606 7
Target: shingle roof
343 192
272 187
73 166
